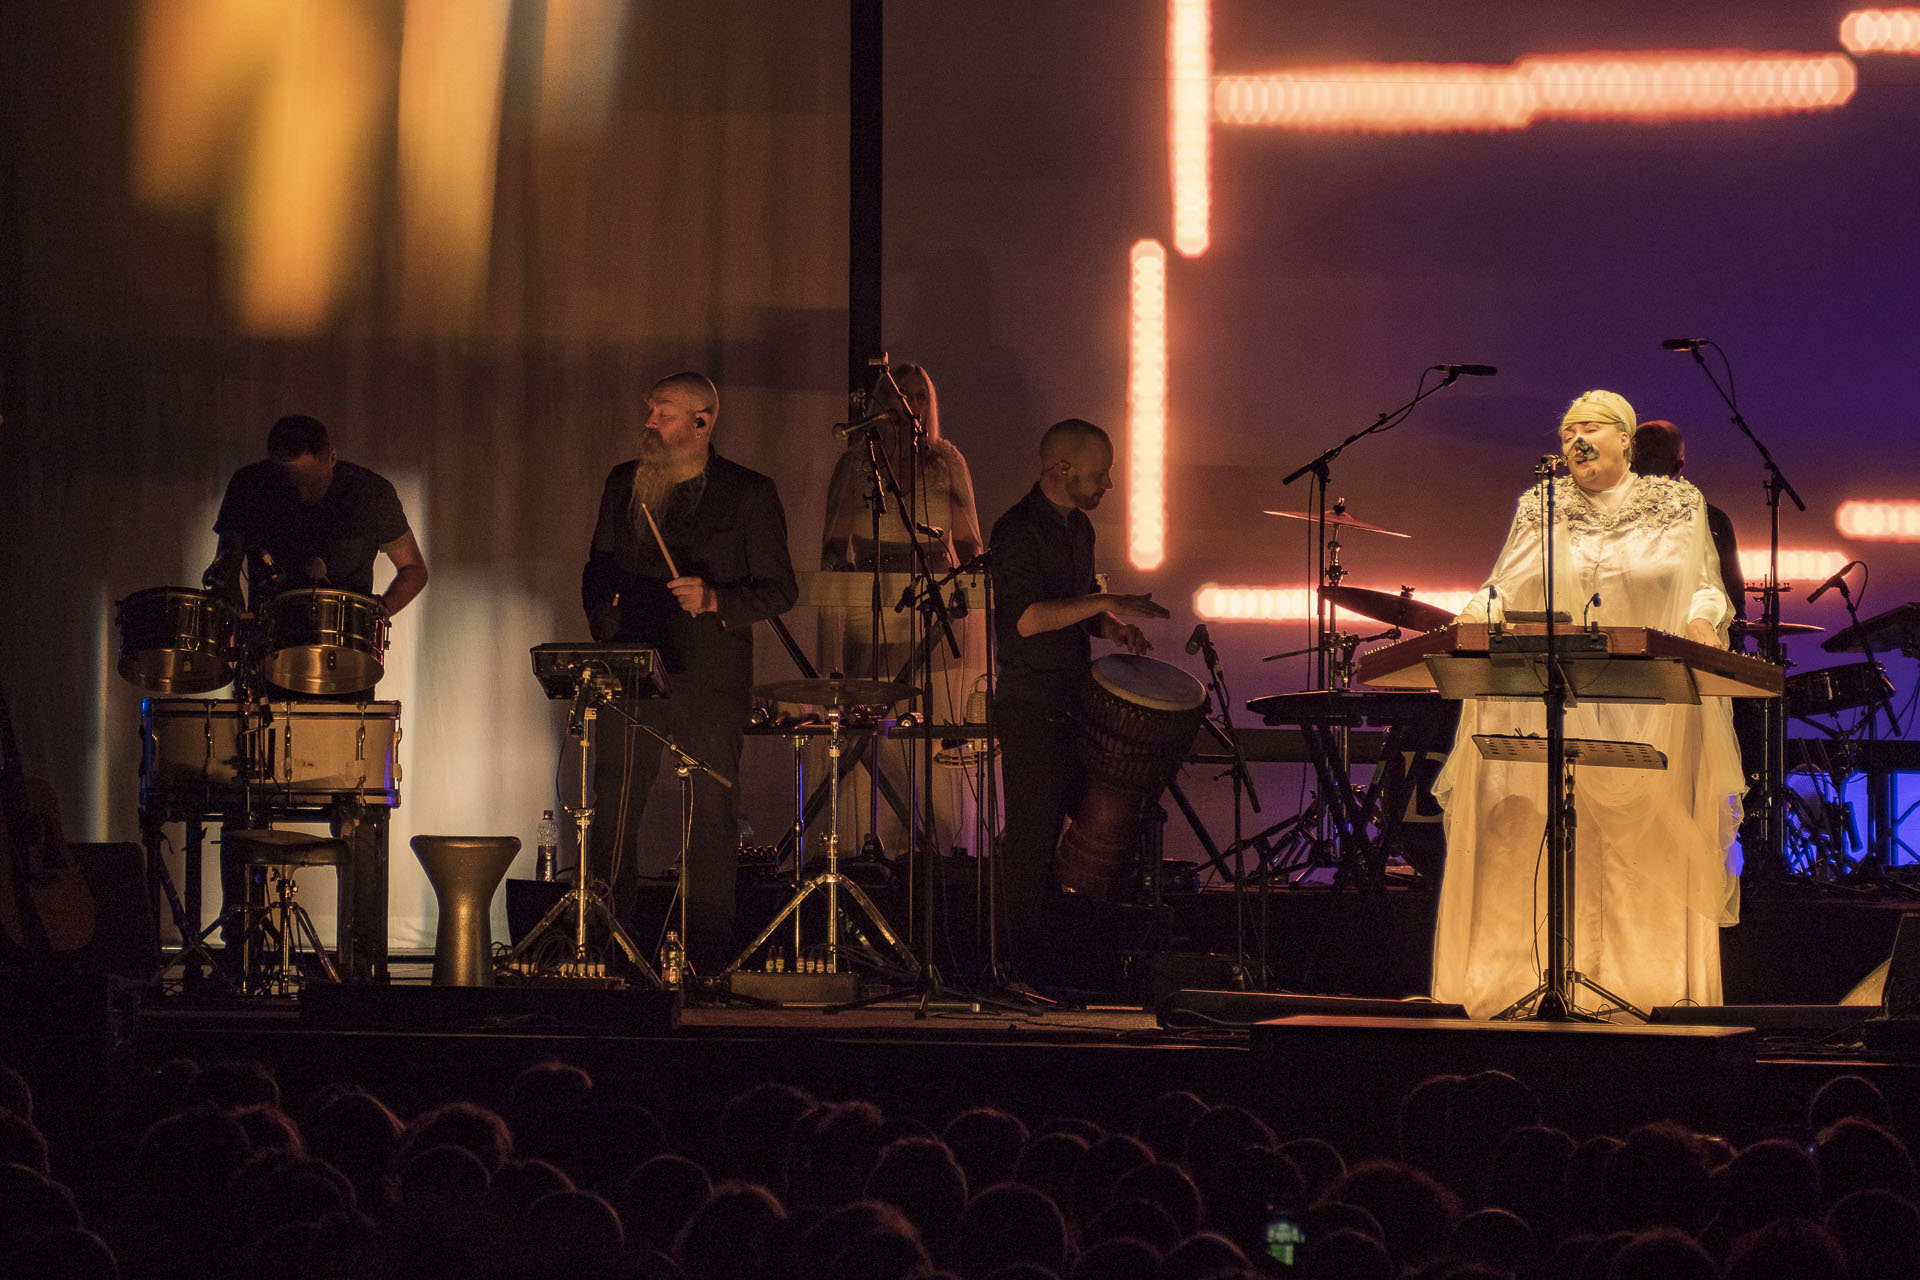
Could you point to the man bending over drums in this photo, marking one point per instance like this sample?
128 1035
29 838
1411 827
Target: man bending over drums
689 552
304 521
303 518
1047 612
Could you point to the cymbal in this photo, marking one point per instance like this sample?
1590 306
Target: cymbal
827 692
1783 628
1398 611
1340 518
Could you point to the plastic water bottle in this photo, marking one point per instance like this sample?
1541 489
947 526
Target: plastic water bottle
546 843
673 961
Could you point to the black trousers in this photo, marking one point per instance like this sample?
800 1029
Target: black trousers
1042 778
710 724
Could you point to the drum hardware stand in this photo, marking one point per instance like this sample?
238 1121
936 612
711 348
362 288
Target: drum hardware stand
832 881
1883 701
592 687
1772 647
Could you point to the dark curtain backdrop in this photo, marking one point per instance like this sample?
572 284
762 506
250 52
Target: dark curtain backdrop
701 224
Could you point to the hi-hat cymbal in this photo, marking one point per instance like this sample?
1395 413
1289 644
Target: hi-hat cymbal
1398 611
1340 518
828 692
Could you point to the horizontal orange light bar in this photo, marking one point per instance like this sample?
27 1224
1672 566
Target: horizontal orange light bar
1881 31
1648 87
1795 565
1216 603
1895 520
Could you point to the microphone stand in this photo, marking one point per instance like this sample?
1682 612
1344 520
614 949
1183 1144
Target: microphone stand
1242 786
1321 469
1882 701
1772 648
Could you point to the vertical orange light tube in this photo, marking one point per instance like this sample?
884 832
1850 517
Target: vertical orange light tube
1147 405
1189 121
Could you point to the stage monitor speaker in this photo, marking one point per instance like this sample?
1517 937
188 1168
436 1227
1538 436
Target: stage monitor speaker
1189 1010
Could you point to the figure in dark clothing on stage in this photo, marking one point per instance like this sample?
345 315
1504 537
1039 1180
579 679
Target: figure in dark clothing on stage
1047 612
726 532
303 518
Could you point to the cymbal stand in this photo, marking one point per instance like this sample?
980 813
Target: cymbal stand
592 689
1772 647
1882 700
832 881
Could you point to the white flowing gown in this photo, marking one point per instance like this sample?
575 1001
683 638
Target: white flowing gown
1656 871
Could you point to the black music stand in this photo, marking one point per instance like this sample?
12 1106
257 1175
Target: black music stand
590 675
1530 662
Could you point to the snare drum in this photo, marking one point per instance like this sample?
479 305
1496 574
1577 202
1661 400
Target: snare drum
321 641
196 753
175 640
1137 718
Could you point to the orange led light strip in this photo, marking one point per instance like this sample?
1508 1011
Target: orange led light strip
1795 566
1147 405
1189 136
1648 87
1881 31
1889 520
1216 603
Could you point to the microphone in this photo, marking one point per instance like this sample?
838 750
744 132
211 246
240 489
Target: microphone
1683 344
848 430
1592 604
1198 638
1467 370
1837 580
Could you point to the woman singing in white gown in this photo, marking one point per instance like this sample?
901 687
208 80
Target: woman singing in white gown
1656 873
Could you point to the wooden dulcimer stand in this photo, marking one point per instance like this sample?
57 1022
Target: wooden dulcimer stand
1564 664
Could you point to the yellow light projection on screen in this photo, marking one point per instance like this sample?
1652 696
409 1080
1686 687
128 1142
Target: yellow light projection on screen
275 116
1881 31
1147 407
1883 520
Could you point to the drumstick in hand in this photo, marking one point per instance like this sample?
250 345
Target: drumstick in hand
671 570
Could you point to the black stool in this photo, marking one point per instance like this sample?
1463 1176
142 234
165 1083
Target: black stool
281 923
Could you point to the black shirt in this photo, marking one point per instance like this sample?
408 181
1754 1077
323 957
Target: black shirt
1041 553
344 531
726 526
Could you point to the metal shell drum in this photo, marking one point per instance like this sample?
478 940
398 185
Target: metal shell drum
175 640
199 755
1138 718
326 642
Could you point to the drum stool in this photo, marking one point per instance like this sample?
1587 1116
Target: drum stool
464 872
281 921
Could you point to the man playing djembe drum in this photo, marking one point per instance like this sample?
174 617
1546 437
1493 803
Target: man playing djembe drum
1047 611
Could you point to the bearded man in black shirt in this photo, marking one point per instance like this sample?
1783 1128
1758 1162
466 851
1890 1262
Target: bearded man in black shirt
1047 612
727 533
